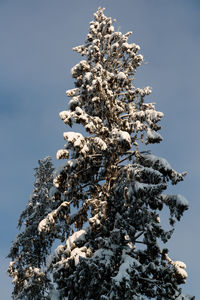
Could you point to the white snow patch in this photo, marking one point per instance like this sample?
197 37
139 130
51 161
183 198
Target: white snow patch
79 110
65 114
72 92
87 77
122 136
42 225
153 135
121 76
71 136
85 150
103 255
155 160
182 273
102 145
77 253
180 267
62 153
180 264
75 237
50 219
151 114
94 220
125 268
181 200
74 101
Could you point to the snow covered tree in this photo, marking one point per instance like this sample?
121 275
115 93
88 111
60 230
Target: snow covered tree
107 197
29 250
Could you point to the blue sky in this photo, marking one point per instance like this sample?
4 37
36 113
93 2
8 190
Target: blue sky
36 56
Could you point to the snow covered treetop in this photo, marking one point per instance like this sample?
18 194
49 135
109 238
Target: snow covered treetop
113 206
104 97
103 211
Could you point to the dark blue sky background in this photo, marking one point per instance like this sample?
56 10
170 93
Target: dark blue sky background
36 40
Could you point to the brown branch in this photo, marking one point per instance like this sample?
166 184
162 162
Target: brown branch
132 153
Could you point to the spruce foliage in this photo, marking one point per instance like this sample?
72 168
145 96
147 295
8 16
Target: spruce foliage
29 250
106 199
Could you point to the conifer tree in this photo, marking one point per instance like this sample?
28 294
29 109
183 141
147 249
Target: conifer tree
29 250
109 193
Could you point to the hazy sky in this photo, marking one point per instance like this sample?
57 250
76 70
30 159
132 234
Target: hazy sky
36 40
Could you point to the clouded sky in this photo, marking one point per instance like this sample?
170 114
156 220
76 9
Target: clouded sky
36 40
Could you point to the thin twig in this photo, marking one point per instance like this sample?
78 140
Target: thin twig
150 280
138 235
126 157
124 116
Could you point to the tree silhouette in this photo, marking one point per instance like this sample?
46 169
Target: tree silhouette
108 195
